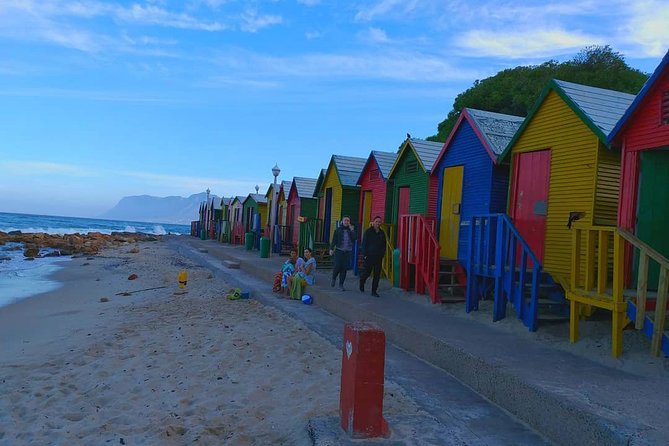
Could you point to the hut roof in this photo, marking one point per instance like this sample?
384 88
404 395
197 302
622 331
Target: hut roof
258 198
599 108
304 187
494 130
648 86
384 160
348 168
426 152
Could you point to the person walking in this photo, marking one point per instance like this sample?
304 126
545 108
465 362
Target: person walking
341 246
373 248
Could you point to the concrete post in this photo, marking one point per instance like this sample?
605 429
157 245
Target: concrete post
362 375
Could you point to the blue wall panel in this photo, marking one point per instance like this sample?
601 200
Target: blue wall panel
485 185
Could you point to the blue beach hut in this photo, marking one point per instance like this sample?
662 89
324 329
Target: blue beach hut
472 180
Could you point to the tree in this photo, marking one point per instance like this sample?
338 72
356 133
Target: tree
513 91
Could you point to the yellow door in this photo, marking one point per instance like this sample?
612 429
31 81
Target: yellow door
451 195
366 209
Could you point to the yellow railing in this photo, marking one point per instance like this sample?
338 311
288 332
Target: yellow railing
387 265
598 280
647 253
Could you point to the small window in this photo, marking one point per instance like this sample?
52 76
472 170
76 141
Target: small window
374 174
664 109
411 166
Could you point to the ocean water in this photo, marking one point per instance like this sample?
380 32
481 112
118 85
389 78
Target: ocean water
21 278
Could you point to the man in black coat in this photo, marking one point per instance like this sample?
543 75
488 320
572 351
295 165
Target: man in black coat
373 248
341 246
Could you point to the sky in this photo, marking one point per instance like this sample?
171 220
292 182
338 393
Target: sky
106 99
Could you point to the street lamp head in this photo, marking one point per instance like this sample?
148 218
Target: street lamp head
276 171
257 188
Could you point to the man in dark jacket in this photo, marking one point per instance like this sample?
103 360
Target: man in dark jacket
341 246
373 248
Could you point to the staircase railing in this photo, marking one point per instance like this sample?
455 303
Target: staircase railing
237 236
419 247
387 264
597 279
427 267
499 254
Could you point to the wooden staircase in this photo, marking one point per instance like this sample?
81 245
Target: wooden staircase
502 265
452 285
602 259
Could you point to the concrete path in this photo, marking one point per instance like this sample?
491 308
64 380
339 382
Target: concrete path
541 395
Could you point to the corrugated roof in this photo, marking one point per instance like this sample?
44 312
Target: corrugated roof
664 63
603 107
385 160
349 168
497 128
225 201
305 186
286 185
427 151
260 199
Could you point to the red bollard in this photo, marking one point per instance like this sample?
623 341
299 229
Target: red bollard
361 397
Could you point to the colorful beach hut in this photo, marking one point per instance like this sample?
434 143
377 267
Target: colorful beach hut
222 223
642 135
254 204
471 178
563 171
411 181
282 210
301 203
236 213
340 191
373 182
411 185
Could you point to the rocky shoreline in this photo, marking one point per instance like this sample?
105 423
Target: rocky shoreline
70 244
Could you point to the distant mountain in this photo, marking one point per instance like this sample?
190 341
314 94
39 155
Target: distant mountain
175 210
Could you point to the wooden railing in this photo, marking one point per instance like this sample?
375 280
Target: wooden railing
598 273
237 234
387 264
427 265
419 247
498 253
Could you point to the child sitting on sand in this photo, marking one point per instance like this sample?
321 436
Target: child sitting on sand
287 270
305 275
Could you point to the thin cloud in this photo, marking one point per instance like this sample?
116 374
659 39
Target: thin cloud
252 22
376 35
647 27
153 15
385 7
223 81
376 65
105 96
36 168
523 44
310 35
188 182
309 2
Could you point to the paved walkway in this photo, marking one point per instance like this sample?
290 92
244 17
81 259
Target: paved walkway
546 395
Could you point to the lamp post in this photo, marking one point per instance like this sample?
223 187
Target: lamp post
275 171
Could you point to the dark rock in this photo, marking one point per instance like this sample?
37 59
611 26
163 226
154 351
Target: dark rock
14 233
31 251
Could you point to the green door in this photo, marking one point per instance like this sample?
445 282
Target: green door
653 207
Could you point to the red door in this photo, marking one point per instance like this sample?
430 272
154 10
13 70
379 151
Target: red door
529 200
403 202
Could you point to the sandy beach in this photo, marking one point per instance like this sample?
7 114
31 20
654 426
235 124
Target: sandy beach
85 365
